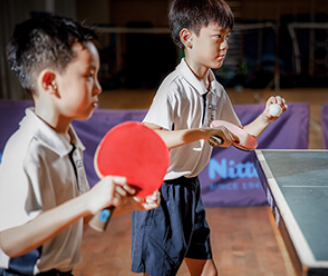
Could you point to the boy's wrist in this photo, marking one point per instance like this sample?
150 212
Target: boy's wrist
89 205
266 119
205 133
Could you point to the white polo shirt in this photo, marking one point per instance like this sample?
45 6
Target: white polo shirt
179 104
37 174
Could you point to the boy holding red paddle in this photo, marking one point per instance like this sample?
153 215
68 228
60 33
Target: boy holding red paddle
44 193
183 108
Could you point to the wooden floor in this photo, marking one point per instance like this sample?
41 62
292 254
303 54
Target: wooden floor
245 241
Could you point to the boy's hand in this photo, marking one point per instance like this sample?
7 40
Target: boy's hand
109 191
274 100
134 203
227 136
147 203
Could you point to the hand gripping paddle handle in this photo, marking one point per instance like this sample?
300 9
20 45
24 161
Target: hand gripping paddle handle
215 141
100 220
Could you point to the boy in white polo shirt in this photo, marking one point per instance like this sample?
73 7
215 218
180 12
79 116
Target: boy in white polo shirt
188 100
44 193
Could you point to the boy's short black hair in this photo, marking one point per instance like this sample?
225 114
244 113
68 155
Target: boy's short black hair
195 14
44 42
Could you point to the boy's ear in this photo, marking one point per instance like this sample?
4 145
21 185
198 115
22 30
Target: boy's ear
48 81
186 37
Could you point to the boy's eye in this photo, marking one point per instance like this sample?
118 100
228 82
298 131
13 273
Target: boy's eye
221 36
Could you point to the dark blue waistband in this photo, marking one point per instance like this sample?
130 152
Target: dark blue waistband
182 180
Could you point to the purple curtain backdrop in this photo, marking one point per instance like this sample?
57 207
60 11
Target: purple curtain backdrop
324 125
229 179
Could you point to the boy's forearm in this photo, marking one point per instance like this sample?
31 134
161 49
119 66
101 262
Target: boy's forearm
256 127
21 239
178 138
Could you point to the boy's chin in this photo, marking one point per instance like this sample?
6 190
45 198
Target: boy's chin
217 65
84 116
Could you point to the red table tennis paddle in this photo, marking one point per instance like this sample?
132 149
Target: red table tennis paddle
246 141
136 152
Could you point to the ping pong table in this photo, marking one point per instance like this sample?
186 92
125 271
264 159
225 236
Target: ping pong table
295 183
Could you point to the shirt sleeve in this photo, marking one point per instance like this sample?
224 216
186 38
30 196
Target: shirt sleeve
161 111
19 202
228 113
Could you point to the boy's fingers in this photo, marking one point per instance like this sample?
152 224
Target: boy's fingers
120 180
121 185
229 137
130 190
138 199
156 196
235 138
119 190
277 100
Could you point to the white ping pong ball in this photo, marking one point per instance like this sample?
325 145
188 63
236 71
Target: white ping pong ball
275 110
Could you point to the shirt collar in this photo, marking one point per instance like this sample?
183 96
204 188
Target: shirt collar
48 136
190 77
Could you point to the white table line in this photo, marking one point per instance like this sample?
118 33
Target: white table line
289 186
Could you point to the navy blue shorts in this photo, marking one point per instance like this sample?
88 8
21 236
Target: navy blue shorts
163 237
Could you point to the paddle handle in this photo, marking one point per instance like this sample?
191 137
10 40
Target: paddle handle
215 141
100 220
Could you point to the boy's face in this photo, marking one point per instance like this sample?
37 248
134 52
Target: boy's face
209 48
78 85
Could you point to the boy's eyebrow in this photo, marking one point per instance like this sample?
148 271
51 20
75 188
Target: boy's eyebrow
218 29
221 30
90 67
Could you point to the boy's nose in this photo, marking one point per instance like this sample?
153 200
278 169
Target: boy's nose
97 88
224 45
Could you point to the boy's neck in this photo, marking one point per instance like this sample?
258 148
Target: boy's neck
52 118
200 72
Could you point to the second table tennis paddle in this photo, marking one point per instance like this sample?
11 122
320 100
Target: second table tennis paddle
136 152
246 141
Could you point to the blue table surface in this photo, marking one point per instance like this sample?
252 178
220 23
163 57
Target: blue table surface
302 177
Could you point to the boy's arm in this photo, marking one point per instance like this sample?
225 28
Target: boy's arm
22 239
181 137
256 127
176 138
